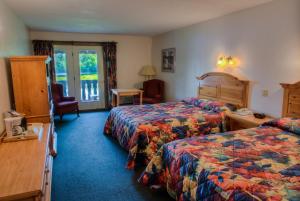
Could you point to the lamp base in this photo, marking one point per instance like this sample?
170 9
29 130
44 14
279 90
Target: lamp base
148 77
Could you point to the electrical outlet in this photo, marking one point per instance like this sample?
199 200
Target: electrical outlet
265 93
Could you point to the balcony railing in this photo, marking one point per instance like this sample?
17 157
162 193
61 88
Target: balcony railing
89 89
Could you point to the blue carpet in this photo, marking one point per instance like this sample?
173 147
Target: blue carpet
91 166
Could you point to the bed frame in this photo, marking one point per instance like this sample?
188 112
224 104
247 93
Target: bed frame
291 100
224 87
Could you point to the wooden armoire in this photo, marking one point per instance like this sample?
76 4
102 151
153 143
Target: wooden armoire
32 87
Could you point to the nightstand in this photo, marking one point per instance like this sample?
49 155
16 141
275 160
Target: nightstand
238 122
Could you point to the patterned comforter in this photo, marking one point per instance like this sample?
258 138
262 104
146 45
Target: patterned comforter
255 164
143 129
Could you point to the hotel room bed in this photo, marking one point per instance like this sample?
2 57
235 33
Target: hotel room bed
142 130
254 164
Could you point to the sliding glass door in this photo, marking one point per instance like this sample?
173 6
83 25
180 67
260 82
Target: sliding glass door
80 70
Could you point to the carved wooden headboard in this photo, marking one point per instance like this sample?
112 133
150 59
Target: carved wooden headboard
224 87
291 100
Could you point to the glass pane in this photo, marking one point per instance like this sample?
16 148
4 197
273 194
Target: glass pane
88 64
60 59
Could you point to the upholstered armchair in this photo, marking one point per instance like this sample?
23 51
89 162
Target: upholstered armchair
63 104
153 92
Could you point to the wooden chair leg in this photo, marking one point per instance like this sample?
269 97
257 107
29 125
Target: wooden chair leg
78 112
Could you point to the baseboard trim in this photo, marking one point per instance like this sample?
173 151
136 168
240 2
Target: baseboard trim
95 110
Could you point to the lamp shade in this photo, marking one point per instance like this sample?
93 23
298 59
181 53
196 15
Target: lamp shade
148 71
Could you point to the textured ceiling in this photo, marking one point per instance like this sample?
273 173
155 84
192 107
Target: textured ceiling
140 17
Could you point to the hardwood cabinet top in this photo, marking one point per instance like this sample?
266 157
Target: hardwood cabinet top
22 166
30 58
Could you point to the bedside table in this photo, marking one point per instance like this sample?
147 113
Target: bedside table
238 122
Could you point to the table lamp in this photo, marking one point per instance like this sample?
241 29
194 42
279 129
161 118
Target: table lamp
148 72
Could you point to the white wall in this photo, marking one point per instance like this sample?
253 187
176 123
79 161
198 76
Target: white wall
266 39
132 52
14 40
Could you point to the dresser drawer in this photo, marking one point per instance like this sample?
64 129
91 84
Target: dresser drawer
239 125
239 122
46 193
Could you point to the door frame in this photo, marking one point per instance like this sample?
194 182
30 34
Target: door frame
91 104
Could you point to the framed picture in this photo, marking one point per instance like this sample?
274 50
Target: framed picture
168 60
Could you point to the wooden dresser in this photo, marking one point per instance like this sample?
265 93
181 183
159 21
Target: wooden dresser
32 87
291 100
26 169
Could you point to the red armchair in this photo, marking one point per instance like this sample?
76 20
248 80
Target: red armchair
153 91
63 104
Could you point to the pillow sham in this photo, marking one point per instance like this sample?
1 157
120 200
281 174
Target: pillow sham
205 104
288 124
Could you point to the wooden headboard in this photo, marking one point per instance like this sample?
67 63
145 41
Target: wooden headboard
291 100
224 87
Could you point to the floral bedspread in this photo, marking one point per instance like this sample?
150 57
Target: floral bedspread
143 129
255 164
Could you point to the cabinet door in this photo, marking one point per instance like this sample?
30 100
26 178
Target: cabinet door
30 87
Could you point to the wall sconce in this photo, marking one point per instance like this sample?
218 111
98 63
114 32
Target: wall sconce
230 61
224 61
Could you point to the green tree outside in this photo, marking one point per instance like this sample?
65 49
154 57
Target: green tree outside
87 62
